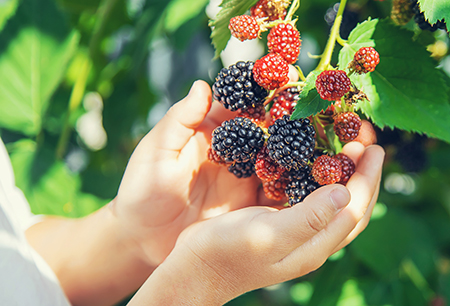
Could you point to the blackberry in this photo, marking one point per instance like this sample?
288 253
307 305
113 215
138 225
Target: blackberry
273 10
237 139
284 39
327 170
301 185
242 170
271 71
284 103
244 27
266 168
257 114
291 142
401 12
347 126
365 60
332 84
236 89
348 167
275 190
216 159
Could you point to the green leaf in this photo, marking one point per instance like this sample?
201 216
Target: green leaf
7 10
310 105
435 10
35 47
49 186
220 33
406 90
181 11
310 102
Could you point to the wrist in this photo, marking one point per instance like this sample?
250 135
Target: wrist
184 279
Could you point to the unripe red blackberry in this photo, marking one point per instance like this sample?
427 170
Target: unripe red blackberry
291 142
272 9
271 71
327 170
332 85
300 186
275 190
266 168
365 60
284 103
236 89
347 126
244 27
237 139
216 159
348 167
284 39
242 170
256 113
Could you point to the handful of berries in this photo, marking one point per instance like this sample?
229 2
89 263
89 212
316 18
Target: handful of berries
291 156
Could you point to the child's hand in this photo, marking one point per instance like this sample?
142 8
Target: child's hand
169 183
223 257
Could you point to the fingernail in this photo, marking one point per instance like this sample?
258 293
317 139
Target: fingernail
340 197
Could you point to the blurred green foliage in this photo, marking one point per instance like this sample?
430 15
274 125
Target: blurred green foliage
66 63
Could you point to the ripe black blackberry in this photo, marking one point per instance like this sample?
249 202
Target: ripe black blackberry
237 139
242 170
291 142
301 185
236 89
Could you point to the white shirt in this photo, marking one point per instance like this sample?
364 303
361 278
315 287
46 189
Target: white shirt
25 278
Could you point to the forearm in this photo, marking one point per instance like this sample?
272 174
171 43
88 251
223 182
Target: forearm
96 263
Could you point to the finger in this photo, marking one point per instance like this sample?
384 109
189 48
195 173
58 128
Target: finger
293 74
304 220
362 189
361 224
175 129
354 150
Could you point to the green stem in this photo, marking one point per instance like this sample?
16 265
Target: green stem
75 100
294 7
334 34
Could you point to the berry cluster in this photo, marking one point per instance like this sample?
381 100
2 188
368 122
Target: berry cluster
291 156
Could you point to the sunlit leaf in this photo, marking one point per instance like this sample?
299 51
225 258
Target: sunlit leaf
35 47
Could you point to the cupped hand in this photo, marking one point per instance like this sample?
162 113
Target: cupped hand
169 183
258 246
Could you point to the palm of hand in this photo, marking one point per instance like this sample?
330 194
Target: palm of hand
168 187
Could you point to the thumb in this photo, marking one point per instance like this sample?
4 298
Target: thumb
306 219
175 129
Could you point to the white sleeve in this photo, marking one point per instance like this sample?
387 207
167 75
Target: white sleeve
25 278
